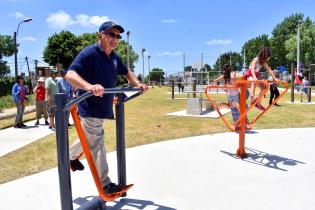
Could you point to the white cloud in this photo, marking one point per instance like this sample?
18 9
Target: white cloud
29 38
62 19
59 19
18 15
169 21
98 20
168 53
219 42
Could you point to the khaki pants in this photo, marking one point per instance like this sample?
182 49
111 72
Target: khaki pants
93 128
41 109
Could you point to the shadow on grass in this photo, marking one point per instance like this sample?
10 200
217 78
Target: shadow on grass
264 159
123 203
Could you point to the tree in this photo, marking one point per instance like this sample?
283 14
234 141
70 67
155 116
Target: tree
253 46
121 50
206 67
307 43
61 48
234 58
188 68
4 68
156 74
6 50
282 32
87 39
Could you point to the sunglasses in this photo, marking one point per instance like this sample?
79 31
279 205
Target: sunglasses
113 35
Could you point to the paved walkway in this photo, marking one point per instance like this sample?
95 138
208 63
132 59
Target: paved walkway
197 173
14 138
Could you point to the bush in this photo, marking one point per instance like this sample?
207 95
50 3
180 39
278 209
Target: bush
6 85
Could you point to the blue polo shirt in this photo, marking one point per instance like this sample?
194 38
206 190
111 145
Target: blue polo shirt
94 66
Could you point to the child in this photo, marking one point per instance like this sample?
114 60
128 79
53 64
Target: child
229 78
252 73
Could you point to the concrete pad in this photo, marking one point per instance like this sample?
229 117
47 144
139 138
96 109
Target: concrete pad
194 173
206 114
14 138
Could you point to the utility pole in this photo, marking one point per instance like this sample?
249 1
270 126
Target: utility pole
36 62
29 74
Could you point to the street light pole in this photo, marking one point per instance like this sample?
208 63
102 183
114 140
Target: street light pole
298 48
149 68
15 44
142 51
128 58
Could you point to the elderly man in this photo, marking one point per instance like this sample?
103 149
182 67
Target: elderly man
97 67
51 90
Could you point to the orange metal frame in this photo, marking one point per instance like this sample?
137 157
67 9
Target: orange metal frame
243 112
90 160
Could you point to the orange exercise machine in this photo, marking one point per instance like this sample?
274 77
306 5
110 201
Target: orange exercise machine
63 146
242 85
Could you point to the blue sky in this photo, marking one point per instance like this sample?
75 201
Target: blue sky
165 28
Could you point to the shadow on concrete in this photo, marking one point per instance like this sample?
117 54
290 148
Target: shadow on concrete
264 159
123 203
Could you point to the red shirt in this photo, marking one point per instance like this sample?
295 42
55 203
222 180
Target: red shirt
40 93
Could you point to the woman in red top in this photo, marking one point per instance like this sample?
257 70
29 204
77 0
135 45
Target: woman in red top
39 90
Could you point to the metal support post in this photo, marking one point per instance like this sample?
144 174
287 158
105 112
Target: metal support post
241 149
173 88
120 140
63 152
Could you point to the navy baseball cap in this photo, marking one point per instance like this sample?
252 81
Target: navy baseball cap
110 24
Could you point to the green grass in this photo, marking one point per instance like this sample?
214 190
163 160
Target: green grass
7 101
146 123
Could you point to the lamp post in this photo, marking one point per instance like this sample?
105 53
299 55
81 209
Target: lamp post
128 58
15 44
149 68
298 47
142 51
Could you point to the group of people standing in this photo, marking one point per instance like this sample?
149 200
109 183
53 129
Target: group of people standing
44 91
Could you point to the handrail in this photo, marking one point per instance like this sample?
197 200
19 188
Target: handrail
242 115
106 91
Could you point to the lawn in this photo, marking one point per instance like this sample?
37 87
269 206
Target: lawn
146 122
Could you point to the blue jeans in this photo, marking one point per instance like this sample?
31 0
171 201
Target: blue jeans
19 112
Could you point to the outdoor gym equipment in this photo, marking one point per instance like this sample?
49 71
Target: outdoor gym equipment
242 85
63 146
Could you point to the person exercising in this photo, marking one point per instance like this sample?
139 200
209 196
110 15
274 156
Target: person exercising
97 67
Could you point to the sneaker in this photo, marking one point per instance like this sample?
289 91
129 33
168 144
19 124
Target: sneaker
17 125
112 188
76 165
23 125
277 104
37 123
46 122
53 129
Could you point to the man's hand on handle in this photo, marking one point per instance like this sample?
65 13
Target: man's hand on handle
97 90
